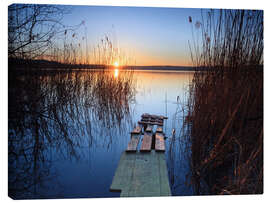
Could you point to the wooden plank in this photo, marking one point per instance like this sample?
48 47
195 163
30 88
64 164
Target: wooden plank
159 129
153 118
133 143
159 120
160 143
146 143
146 177
137 130
156 121
145 115
123 173
164 180
145 119
149 128
150 123
141 175
143 122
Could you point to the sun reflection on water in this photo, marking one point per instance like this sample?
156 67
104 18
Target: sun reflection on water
116 73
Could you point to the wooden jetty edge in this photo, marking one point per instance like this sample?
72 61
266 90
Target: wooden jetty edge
143 172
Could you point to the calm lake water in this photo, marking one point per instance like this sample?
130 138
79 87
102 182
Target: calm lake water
67 130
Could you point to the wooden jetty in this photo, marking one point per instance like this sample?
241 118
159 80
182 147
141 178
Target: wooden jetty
142 169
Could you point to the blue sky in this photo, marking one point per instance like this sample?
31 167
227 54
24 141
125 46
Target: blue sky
153 36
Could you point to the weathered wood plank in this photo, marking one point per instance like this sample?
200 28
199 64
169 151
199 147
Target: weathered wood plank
123 173
164 180
146 142
141 175
137 130
150 123
149 128
133 143
153 116
146 115
145 119
160 143
146 177
159 129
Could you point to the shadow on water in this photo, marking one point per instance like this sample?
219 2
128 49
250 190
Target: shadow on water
52 114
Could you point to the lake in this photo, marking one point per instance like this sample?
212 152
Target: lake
67 129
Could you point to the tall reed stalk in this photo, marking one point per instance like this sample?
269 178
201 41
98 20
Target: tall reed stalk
225 108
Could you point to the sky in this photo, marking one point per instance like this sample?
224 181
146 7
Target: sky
149 35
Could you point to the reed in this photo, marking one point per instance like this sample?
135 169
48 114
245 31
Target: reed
225 107
61 112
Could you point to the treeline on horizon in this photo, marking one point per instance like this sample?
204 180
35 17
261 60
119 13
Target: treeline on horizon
15 63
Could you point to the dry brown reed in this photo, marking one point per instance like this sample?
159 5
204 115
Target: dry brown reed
225 108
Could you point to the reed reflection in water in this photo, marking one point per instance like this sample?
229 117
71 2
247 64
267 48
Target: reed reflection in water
53 115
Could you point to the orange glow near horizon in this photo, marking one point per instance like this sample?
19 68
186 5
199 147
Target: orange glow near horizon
139 58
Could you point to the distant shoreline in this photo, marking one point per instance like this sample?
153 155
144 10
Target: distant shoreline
44 64
171 68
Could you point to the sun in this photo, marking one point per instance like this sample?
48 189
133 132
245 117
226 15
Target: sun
116 64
